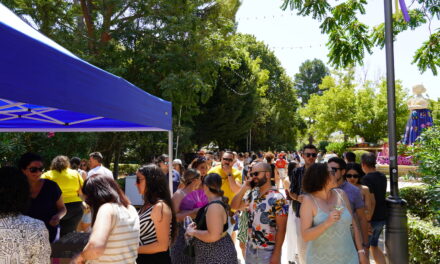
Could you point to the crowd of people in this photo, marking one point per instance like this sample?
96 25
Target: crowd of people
325 212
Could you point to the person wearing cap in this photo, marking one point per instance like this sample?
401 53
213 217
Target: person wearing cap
96 167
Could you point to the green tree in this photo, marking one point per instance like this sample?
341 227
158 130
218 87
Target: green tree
353 111
169 48
349 39
308 79
277 122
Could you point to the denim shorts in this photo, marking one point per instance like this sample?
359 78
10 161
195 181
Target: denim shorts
258 256
377 227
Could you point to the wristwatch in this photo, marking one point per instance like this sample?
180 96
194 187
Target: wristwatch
361 251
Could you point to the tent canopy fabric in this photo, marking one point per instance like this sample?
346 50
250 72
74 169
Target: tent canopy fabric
44 87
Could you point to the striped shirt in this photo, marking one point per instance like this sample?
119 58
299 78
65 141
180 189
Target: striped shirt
147 230
122 244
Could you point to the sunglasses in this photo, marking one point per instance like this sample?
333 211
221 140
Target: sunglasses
253 174
334 169
308 155
352 176
227 159
35 169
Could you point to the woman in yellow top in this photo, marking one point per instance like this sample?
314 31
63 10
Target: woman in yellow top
70 183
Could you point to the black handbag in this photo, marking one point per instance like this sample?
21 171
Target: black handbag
200 220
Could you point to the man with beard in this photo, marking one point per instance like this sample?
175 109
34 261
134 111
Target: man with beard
231 179
267 216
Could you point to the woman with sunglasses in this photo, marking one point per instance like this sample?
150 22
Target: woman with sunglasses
70 182
157 217
191 181
212 244
354 175
326 219
46 203
84 165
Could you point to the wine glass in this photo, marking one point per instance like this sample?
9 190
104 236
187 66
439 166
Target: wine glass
338 205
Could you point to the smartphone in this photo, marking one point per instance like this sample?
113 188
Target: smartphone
253 184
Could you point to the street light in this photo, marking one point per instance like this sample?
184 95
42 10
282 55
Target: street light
396 235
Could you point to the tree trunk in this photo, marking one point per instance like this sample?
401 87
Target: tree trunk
116 160
90 27
311 139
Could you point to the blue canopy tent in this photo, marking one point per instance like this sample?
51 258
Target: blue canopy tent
46 88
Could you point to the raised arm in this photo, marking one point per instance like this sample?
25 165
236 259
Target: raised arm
237 202
307 213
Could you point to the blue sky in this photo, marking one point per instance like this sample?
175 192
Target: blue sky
295 39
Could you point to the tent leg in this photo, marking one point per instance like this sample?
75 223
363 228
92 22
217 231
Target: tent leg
170 160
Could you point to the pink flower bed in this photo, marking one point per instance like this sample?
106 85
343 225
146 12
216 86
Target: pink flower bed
401 160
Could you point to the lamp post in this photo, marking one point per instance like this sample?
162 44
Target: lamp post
396 236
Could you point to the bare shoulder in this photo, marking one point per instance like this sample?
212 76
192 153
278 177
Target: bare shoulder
160 209
178 195
365 188
215 209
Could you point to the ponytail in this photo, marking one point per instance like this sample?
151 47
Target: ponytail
214 183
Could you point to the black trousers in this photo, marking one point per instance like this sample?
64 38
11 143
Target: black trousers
72 218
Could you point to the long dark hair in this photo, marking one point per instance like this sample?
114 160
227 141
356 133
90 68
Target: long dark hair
156 189
27 159
14 191
100 189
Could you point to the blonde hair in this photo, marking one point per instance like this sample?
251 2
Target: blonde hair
60 163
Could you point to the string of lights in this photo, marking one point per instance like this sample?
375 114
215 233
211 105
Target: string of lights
265 17
232 89
296 47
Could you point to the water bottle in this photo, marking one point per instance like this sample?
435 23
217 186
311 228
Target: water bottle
187 222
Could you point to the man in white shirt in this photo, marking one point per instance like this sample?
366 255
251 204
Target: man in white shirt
95 161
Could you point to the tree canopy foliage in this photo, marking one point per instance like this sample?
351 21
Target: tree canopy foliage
349 39
308 79
222 84
355 111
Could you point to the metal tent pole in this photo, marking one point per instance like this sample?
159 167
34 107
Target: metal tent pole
170 160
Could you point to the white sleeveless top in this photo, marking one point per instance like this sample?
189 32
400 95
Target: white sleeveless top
123 241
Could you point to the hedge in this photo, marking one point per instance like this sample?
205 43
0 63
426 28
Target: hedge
419 202
423 241
358 154
128 169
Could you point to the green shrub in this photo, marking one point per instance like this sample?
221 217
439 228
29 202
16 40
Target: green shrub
121 182
322 145
359 153
338 147
423 241
128 169
419 201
